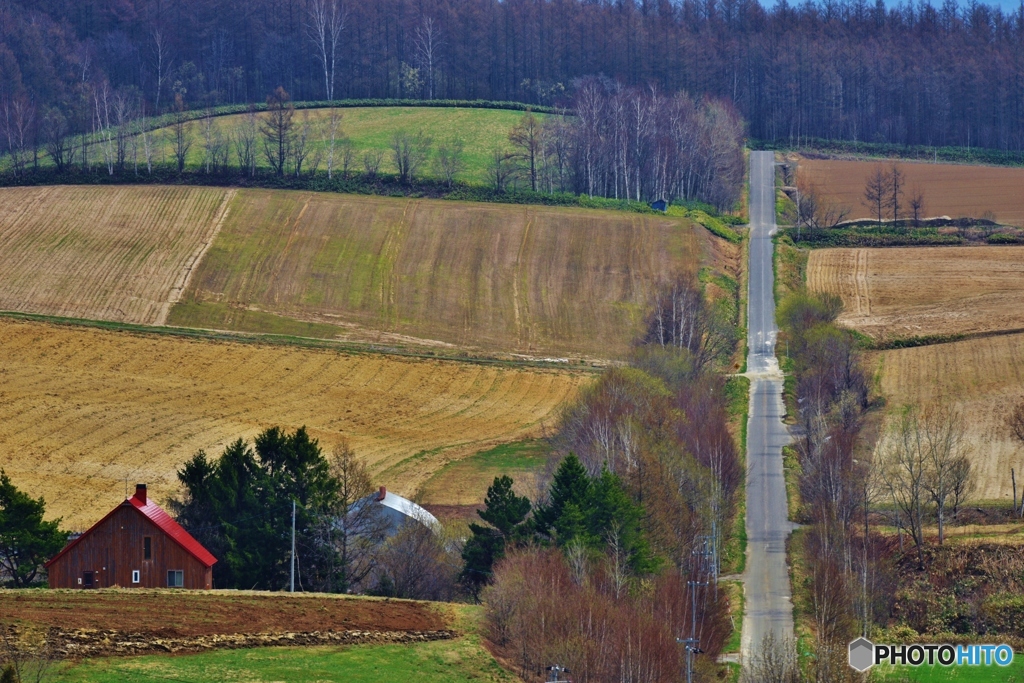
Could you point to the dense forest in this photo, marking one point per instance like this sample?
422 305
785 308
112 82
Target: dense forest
914 74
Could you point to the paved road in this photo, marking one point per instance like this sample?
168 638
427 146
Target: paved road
768 600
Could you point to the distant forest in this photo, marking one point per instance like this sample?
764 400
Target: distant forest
834 70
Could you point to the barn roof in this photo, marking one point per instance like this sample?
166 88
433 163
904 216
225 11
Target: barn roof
158 516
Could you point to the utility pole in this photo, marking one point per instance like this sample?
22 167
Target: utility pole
293 549
693 642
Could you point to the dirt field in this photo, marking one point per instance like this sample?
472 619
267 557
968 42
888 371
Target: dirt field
112 253
985 377
903 292
198 613
82 410
523 279
949 189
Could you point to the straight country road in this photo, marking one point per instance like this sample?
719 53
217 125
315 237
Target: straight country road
769 605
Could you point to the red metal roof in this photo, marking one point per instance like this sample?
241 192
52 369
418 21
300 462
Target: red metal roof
158 516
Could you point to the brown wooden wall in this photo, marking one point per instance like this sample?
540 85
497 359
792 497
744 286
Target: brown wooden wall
115 548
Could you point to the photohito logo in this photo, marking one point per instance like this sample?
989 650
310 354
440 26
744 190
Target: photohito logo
864 654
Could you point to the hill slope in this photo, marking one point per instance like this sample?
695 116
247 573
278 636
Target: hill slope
112 253
524 279
82 409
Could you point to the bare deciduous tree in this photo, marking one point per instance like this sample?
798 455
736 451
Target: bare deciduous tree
409 153
876 192
276 127
161 55
903 466
815 210
428 41
917 206
501 168
450 159
181 133
326 23
372 160
948 476
527 141
1015 421
59 143
245 142
332 126
896 182
681 318
355 531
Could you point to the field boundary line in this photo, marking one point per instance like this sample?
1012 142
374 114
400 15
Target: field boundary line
917 342
179 288
593 366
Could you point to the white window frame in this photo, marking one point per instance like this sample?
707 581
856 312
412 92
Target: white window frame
136 576
178 579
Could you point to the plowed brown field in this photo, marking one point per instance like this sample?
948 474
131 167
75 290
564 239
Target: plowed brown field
81 410
949 189
984 376
112 253
900 292
162 613
525 279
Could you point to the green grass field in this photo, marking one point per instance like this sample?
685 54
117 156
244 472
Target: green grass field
464 482
1014 673
443 661
369 129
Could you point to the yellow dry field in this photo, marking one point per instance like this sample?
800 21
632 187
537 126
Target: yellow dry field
491 277
83 410
984 376
111 253
901 292
952 190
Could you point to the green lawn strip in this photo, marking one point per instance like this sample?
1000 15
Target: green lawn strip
516 458
791 472
736 606
288 340
734 554
1014 673
214 315
859 149
460 659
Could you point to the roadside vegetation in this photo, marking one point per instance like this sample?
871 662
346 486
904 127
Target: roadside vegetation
642 497
896 545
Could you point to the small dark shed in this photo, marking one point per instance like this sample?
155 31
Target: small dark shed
137 545
660 205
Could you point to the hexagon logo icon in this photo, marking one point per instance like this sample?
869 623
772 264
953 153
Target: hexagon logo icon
862 654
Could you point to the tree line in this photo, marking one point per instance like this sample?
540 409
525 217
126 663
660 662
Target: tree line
919 474
621 552
620 143
909 74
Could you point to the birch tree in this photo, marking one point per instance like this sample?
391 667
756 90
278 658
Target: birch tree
325 25
428 41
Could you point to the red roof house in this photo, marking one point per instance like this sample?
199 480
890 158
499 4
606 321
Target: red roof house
137 545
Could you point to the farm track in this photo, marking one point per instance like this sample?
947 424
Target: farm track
82 409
